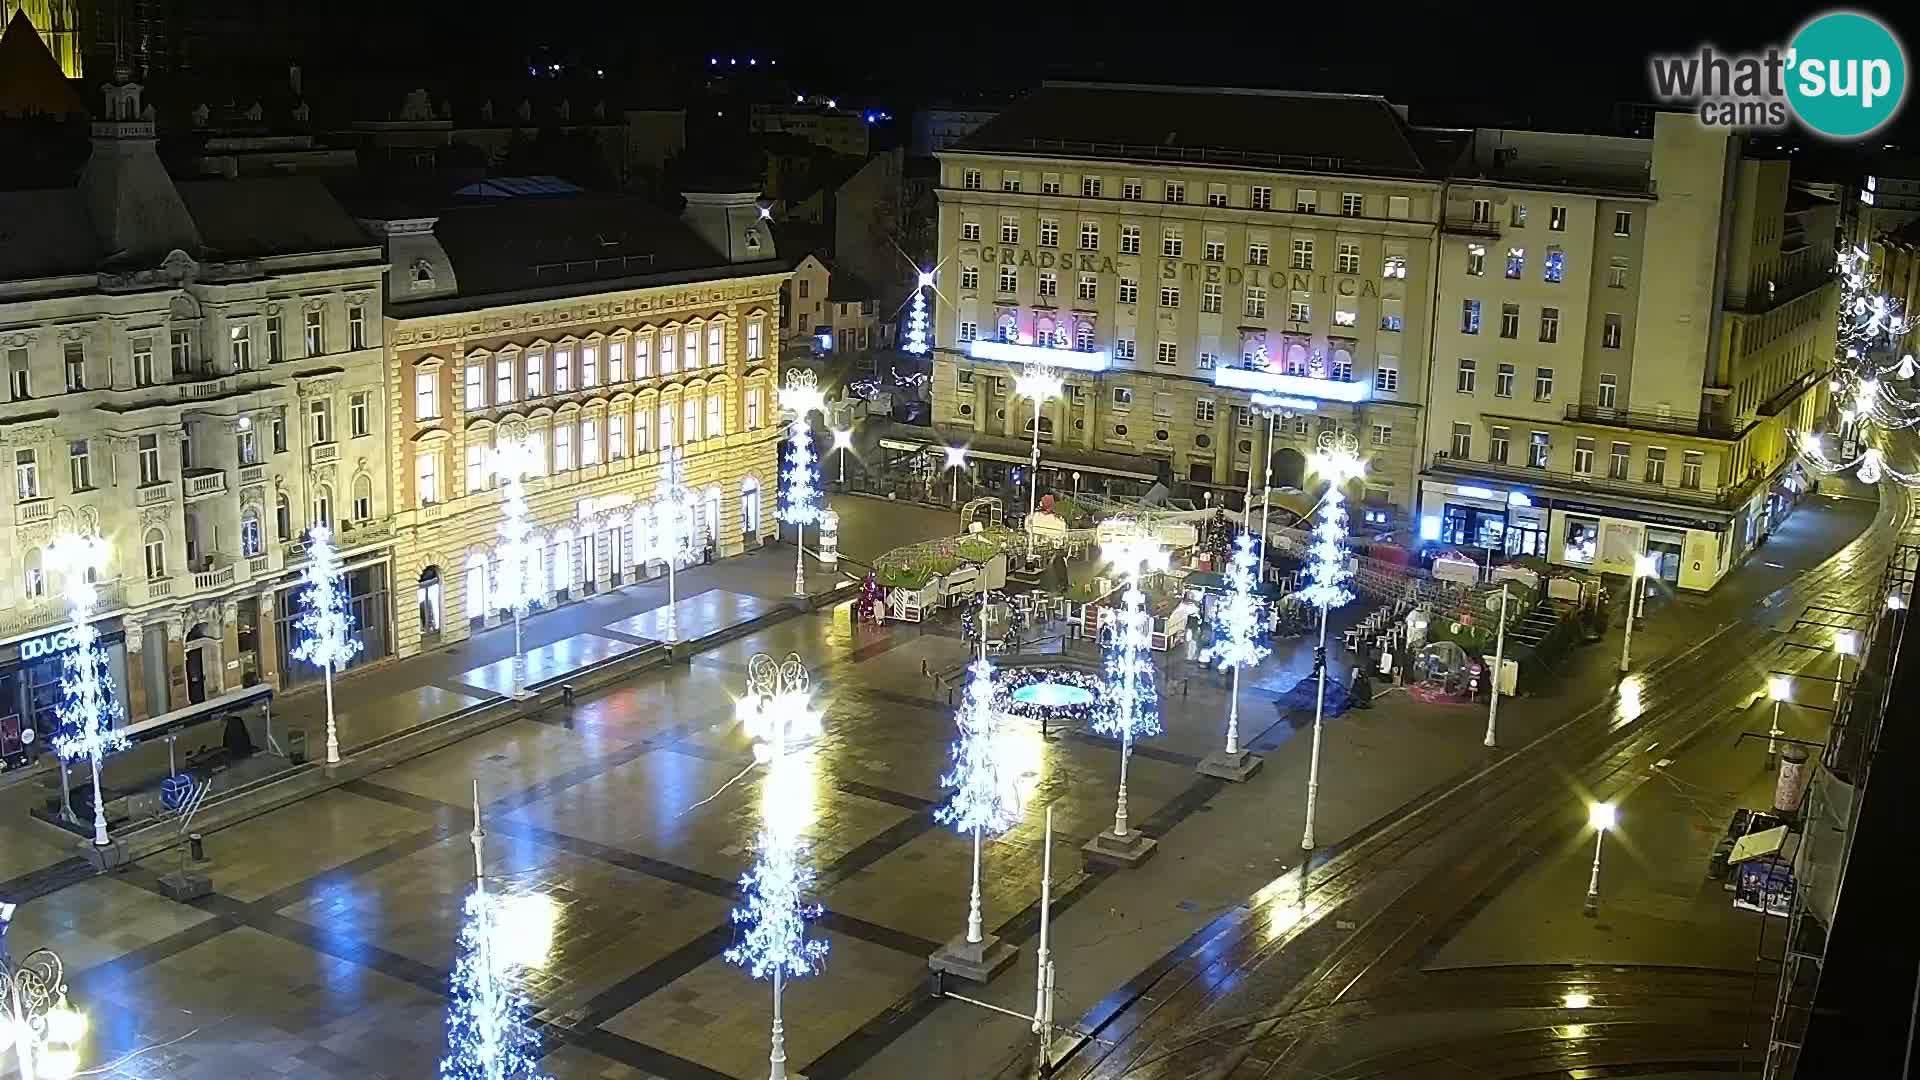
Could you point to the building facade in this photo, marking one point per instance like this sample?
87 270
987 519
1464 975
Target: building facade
663 340
1628 331
1185 257
194 373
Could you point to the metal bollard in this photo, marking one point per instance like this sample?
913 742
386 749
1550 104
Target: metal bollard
566 694
196 847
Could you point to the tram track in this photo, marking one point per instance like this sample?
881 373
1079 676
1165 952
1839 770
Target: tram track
1322 937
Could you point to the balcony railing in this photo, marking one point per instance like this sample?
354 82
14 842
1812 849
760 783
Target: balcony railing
33 513
154 494
202 482
322 453
52 611
159 588
352 534
1466 226
1704 426
1719 498
217 578
253 474
260 564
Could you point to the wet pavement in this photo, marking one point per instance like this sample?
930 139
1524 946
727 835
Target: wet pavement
325 948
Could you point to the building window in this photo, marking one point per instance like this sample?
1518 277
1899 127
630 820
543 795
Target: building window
474 383
1305 201
1089 290
1050 184
252 542
969 231
1656 464
969 278
1345 316
716 416
1466 376
1549 324
1217 195
1690 463
1543 384
1610 331
1302 254
1623 223
1168 354
563 363
1163 405
1089 187
503 381
75 356
479 477
1518 215
1049 284
426 396
1483 211
323 506
143 374
320 415
426 477
1169 297
1089 236
642 417
1462 441
180 350
359 406
1509 320
154 546
1386 377
80 465
1557 218
1203 411
1256 302
1009 279
1347 260
1009 230
1176 191
1608 388
247 447
1129 291
1009 181
1617 273
617 354
1009 327
1123 348
1583 456
1211 296
590 441
969 330
1123 397
1555 267
1256 253
149 453
970 180
1497 446
316 332
1383 435
362 498
1083 336
1476 259
1503 381
1214 251
26 475
616 437
276 351
1133 191
1470 316
356 326
1129 239
282 518
1352 205
690 420
1299 311
1049 233
590 364
562 447
1392 318
1172 244
1617 461
1539 449
536 368
1261 198
1516 262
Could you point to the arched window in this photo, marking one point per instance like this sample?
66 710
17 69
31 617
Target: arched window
155 546
282 517
252 541
640 542
750 509
1009 327
560 564
427 595
690 422
36 574
710 511
476 586
1296 359
323 505
666 425
1083 336
363 498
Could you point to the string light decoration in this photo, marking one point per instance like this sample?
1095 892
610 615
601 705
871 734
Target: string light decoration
986 801
511 462
917 340
489 1036
801 506
88 712
1133 701
676 532
1337 460
1237 625
971 617
1870 465
325 625
871 601
1012 680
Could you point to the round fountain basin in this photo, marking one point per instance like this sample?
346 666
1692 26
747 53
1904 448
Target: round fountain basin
1053 695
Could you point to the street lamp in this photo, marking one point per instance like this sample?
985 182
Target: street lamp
1499 669
1779 688
1261 403
1846 643
87 710
1338 460
1039 385
1601 816
801 397
35 1019
843 442
1643 566
956 460
511 462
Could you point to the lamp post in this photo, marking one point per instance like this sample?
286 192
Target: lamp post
1039 385
1644 566
511 462
1338 460
842 442
1780 689
956 460
87 709
1133 708
674 538
1499 667
1845 643
1274 412
1602 817
35 1018
801 397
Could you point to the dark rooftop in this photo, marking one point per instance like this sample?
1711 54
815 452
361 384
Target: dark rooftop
282 215
46 233
1348 133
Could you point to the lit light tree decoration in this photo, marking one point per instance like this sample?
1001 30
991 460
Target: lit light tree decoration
88 711
489 1036
511 462
1236 645
986 797
1132 708
801 507
325 625
675 533
1870 465
1337 461
1870 325
918 343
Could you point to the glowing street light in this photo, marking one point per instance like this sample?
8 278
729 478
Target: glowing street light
1780 689
1845 643
1038 384
843 442
956 460
1644 566
1499 671
1133 706
1601 816
36 1021
1338 461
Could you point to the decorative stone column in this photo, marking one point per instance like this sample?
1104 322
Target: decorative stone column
267 635
230 678
177 659
134 694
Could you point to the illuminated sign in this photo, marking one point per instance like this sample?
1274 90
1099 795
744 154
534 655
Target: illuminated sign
1269 401
47 644
1008 352
1477 492
1274 382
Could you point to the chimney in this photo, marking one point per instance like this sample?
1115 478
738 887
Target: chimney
732 223
293 79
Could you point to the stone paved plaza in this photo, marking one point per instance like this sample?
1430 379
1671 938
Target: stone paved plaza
325 949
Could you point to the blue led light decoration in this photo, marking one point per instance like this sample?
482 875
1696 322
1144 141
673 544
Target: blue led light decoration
1132 708
1337 461
88 711
1237 621
801 506
325 625
986 798
489 1034
515 585
675 534
917 342
773 940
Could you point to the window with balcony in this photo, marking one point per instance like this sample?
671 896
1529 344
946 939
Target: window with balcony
1302 254
1470 316
1656 465
1543 384
1129 239
1618 459
362 498
1691 463
80 465
1539 450
154 547
1608 390
143 372
323 505
282 518
1483 211
179 351
1462 442
1610 331
1466 376
26 475
1549 325
426 396
1497 445
246 445
320 421
316 333
1503 381
253 541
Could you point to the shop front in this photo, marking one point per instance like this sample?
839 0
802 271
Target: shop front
367 603
30 671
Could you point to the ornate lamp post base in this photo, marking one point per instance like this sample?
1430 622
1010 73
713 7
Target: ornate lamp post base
976 961
1119 852
1237 768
